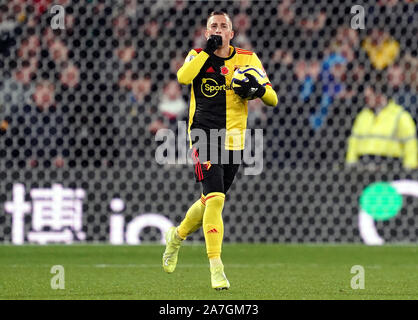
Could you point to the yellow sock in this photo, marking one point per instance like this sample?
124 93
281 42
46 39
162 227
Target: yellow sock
213 226
193 219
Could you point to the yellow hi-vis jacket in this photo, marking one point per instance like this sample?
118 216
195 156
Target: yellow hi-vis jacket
390 133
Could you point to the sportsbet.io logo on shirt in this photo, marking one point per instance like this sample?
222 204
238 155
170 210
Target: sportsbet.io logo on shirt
210 87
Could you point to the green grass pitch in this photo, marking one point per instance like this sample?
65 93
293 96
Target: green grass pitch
255 271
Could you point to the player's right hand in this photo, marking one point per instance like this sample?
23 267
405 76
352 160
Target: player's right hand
214 42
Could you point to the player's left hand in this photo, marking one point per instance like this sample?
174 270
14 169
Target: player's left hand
250 88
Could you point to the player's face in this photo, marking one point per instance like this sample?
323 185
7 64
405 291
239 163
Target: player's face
220 25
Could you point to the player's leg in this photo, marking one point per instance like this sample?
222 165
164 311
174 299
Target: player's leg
193 219
212 219
231 169
229 176
175 235
213 225
211 177
194 216
172 246
191 223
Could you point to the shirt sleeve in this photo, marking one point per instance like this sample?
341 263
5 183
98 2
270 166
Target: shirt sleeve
191 67
270 97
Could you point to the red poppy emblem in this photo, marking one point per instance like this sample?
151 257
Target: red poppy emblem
224 70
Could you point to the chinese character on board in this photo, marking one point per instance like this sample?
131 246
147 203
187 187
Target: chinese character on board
56 214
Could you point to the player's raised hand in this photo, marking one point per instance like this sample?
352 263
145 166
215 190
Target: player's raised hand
214 42
250 88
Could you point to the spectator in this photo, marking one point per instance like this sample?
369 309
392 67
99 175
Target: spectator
70 76
125 80
44 96
402 78
241 23
315 24
58 51
16 90
389 3
121 24
382 130
289 14
381 48
172 105
157 125
285 11
199 39
40 6
139 88
244 4
164 5
9 24
126 52
29 47
48 37
282 56
27 72
346 43
242 41
170 108
329 75
152 29
410 69
176 62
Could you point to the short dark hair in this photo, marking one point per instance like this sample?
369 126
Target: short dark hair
220 13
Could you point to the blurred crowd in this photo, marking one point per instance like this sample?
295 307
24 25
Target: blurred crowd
106 58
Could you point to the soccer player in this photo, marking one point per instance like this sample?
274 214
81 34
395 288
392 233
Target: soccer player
215 105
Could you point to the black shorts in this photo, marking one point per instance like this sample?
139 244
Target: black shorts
216 176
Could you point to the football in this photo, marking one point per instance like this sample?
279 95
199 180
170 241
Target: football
240 72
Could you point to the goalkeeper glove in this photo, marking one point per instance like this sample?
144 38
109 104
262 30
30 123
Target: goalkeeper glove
214 42
250 88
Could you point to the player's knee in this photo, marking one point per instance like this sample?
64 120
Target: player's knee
215 199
